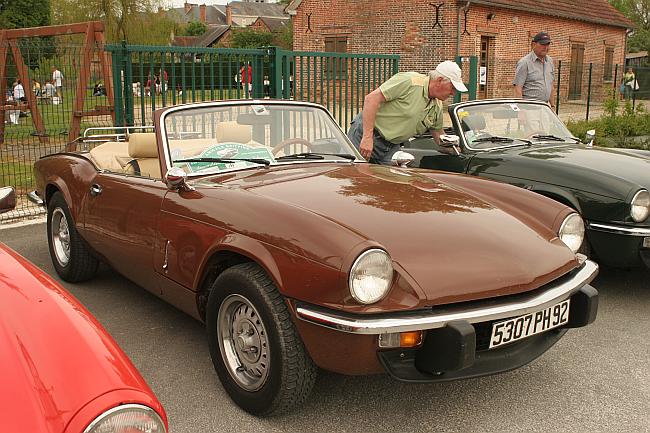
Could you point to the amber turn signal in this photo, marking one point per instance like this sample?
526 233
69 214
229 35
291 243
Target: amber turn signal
410 339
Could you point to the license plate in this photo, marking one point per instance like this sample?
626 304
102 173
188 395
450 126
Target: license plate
524 326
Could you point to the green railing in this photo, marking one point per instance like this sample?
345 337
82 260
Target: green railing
147 78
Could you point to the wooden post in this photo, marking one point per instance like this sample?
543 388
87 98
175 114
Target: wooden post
3 82
82 84
23 75
107 69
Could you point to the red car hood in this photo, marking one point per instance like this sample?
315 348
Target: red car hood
454 244
56 357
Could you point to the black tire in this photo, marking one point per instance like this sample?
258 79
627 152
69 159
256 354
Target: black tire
279 375
65 243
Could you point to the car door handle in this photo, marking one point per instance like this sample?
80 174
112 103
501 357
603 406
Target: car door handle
95 190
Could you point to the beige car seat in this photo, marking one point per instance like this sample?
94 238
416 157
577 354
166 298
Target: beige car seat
143 151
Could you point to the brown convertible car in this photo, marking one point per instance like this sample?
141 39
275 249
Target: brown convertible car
260 219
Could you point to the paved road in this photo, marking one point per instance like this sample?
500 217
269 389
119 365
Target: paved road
596 379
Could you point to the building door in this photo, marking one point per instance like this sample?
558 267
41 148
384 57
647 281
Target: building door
483 68
575 72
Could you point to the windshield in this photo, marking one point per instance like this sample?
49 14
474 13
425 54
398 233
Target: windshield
224 137
514 122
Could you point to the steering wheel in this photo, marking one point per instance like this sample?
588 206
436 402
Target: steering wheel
285 146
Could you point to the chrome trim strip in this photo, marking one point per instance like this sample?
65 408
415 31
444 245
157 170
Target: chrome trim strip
439 317
619 230
34 198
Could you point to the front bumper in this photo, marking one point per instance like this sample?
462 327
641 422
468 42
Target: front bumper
455 345
616 245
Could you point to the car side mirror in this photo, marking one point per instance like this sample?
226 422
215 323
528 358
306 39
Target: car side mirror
7 199
176 179
589 137
402 159
451 141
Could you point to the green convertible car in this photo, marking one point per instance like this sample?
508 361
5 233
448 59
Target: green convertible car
525 144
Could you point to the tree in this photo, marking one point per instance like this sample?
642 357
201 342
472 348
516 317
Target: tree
250 38
195 28
24 13
136 21
284 37
638 11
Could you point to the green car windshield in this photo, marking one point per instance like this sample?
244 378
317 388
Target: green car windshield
522 122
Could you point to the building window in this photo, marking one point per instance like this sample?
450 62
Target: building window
608 66
336 67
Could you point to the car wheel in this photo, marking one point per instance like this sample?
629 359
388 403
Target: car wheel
70 254
255 347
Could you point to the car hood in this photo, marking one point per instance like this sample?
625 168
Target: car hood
452 243
56 358
605 171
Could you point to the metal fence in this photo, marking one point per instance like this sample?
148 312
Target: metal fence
147 78
20 142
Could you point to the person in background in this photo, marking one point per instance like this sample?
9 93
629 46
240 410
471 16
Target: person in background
629 83
407 104
535 72
49 91
19 92
57 80
36 88
246 72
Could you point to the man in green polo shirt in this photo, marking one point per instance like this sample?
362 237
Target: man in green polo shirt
406 105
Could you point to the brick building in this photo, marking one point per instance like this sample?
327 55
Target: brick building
497 32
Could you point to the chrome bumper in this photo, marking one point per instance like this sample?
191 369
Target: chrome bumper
619 230
34 198
438 317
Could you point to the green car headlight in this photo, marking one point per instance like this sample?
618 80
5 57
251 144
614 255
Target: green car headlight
371 276
572 232
128 418
640 206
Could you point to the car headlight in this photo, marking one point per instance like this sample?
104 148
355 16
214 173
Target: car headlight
371 276
128 418
572 232
640 206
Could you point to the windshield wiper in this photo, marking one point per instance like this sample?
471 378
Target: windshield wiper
494 138
315 155
260 161
551 137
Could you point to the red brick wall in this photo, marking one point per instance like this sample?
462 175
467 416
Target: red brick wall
406 27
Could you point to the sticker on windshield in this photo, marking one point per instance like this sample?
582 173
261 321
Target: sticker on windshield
514 107
230 150
260 110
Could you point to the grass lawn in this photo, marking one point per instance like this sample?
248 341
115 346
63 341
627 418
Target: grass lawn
16 174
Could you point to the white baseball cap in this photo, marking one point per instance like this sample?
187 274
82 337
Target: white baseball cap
451 70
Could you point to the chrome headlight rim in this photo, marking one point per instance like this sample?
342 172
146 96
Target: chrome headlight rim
581 232
639 194
125 408
351 276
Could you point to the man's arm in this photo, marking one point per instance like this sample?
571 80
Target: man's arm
551 100
519 91
371 105
435 134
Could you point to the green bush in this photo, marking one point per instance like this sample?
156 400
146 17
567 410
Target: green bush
621 126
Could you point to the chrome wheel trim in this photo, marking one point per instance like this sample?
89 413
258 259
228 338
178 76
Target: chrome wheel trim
243 342
60 232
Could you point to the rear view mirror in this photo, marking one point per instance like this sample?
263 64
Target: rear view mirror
449 140
7 199
176 179
402 159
